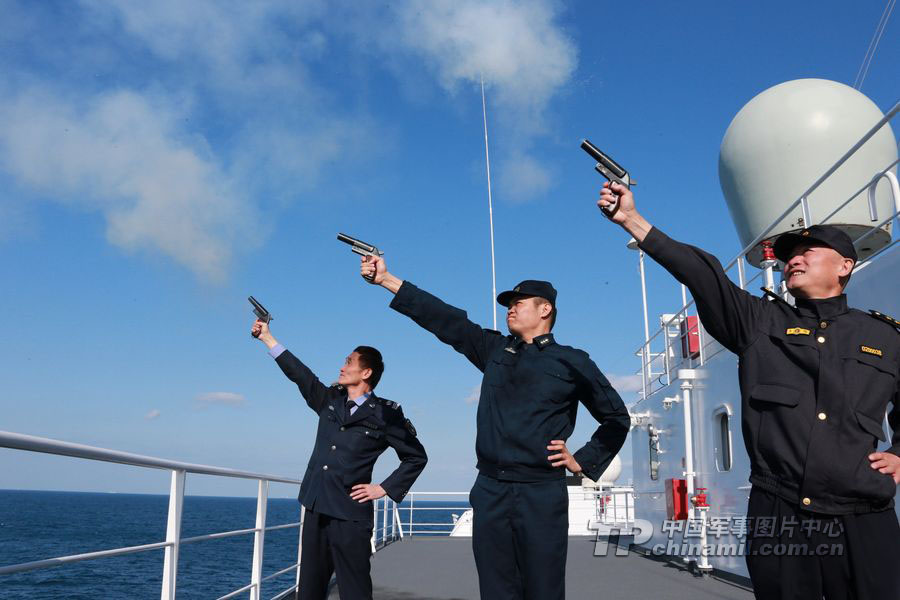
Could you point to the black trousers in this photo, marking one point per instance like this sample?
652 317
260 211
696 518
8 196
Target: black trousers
520 538
793 554
332 545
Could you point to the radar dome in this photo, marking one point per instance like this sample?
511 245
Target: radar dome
612 472
787 137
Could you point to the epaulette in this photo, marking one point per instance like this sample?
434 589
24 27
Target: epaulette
770 294
494 331
390 403
883 317
336 386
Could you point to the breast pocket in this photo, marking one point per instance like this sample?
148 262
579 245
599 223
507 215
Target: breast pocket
870 380
365 438
499 370
557 384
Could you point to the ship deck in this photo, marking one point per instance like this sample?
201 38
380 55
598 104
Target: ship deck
442 568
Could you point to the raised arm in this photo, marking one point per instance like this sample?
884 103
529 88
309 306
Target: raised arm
450 324
730 314
312 390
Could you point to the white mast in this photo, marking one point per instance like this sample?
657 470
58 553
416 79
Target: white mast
487 160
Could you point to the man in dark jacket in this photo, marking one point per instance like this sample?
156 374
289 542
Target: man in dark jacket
355 427
816 380
529 399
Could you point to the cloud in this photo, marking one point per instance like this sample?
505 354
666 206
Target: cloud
523 177
520 50
120 154
220 399
626 383
153 414
474 395
178 122
517 46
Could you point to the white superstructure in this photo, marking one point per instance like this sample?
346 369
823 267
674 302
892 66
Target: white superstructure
836 153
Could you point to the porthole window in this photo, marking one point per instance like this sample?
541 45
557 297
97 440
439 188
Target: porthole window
654 452
722 426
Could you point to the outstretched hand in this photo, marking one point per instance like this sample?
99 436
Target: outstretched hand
373 269
260 331
608 199
617 204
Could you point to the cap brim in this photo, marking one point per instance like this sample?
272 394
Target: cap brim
504 297
787 241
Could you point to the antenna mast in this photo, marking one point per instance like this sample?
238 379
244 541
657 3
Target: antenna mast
487 160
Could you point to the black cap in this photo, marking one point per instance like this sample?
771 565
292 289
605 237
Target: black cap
529 287
830 235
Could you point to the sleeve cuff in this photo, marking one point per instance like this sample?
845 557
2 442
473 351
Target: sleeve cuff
403 299
276 350
653 240
587 463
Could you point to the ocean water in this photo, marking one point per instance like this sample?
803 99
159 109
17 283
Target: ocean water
36 525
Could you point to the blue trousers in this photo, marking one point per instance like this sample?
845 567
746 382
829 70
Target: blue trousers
332 545
520 538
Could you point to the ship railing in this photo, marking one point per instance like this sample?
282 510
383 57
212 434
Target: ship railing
658 367
434 506
616 508
174 539
612 506
387 527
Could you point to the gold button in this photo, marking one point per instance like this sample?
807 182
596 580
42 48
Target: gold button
807 502
823 325
821 339
822 416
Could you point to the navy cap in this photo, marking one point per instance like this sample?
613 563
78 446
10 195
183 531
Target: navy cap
829 235
529 287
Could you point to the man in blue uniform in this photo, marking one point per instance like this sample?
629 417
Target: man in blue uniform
355 427
529 399
816 380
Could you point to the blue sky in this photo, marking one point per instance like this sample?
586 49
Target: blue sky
159 162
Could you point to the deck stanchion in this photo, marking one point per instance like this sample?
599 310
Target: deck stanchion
259 538
173 535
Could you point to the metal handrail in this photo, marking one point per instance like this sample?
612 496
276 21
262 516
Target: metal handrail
19 441
173 540
644 350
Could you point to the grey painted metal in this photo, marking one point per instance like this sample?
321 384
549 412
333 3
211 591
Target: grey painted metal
173 536
442 568
19 441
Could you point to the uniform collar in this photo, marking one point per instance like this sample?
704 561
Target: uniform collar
822 308
362 399
542 341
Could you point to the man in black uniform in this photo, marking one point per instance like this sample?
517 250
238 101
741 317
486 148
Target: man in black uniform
816 380
355 427
529 399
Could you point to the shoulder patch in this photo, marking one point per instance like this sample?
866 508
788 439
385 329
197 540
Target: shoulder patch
410 428
883 317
